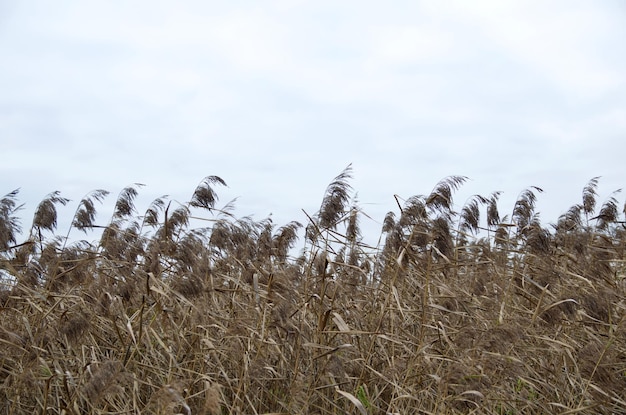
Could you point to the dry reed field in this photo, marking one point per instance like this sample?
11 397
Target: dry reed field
455 312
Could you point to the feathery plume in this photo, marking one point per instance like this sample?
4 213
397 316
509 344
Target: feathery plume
441 196
46 213
204 196
335 200
124 206
525 207
151 218
353 230
470 214
285 239
493 216
389 222
9 223
589 196
414 211
86 212
571 219
608 214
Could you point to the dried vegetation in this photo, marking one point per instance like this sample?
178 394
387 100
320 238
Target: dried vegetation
455 312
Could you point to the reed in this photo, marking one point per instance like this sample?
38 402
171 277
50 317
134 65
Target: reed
453 313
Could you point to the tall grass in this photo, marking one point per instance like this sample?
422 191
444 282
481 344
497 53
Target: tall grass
454 313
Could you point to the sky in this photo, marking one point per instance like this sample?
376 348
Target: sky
278 97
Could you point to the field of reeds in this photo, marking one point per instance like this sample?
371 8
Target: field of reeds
454 312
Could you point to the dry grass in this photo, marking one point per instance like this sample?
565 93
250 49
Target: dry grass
159 318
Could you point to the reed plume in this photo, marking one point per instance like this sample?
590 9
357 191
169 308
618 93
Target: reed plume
86 211
589 196
205 196
10 225
336 198
441 196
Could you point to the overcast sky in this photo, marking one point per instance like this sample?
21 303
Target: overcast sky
278 97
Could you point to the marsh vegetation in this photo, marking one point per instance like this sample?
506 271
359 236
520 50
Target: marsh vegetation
454 312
